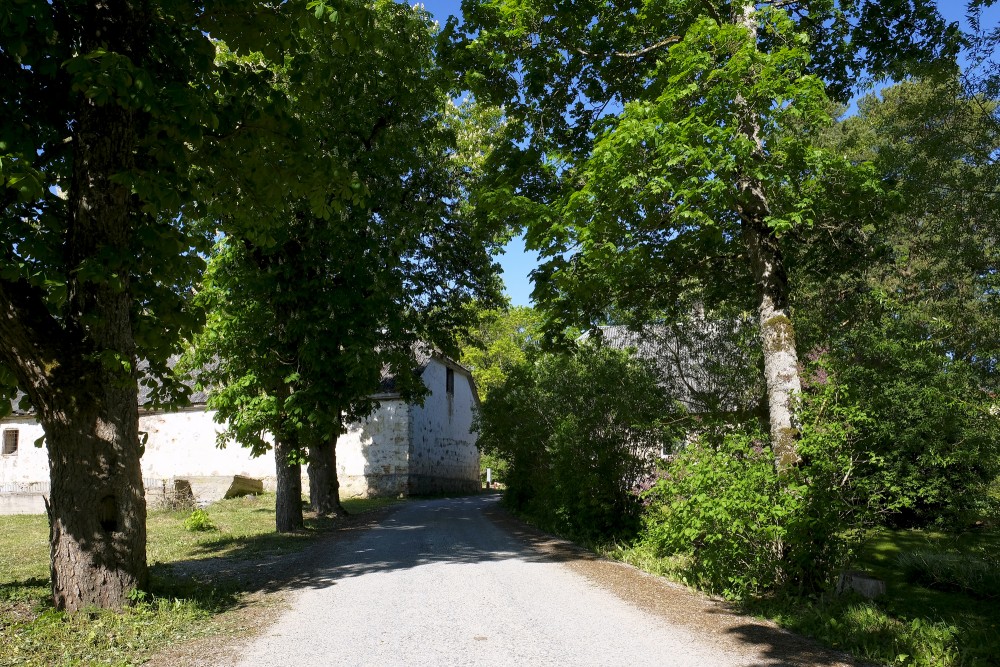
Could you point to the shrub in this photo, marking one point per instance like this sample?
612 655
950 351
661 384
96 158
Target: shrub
198 521
577 432
724 507
741 529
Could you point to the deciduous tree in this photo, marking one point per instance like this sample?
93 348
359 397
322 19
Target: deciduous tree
105 107
660 143
351 281
501 341
915 302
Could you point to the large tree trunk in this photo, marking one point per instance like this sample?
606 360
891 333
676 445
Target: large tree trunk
97 510
288 505
324 486
781 369
781 362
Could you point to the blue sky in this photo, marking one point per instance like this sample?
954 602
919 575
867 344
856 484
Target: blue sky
517 262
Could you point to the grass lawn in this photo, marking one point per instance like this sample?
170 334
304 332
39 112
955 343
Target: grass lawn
33 633
939 625
912 624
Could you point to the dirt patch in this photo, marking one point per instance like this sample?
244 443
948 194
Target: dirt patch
709 617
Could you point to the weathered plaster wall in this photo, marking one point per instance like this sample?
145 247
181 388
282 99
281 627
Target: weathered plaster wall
179 445
443 452
372 456
24 475
401 449
30 463
182 444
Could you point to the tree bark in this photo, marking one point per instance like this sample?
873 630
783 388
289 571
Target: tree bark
84 389
781 362
324 486
288 472
781 366
97 509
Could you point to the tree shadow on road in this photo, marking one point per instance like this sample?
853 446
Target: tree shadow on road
427 532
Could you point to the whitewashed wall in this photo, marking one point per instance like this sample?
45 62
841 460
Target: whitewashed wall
372 456
443 452
401 449
30 464
183 444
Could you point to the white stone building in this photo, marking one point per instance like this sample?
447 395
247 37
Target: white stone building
402 448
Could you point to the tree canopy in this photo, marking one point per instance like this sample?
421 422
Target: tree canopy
348 284
663 148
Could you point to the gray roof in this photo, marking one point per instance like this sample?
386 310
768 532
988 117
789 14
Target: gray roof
422 353
698 360
197 396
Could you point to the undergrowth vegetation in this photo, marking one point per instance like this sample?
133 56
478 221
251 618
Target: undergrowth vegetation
177 608
576 433
577 430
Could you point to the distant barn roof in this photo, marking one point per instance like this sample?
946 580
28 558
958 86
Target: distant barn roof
422 353
691 359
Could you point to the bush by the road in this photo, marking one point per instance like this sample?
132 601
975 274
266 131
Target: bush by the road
578 432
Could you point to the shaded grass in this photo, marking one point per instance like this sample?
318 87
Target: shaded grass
977 576
176 609
911 624
245 530
917 621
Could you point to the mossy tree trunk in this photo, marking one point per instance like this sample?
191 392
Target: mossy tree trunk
781 365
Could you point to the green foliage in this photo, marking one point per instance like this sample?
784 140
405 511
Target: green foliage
909 625
496 465
741 528
365 257
577 431
971 574
501 341
735 526
915 299
629 208
870 633
198 521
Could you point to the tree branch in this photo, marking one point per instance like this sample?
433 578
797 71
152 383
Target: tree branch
29 339
673 39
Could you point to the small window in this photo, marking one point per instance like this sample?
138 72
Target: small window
10 442
449 381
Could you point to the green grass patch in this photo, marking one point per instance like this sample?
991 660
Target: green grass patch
940 608
916 622
33 633
973 575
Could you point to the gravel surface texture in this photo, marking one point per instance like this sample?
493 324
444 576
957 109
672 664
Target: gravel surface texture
459 582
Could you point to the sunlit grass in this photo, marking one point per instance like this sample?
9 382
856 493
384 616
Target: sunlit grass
33 633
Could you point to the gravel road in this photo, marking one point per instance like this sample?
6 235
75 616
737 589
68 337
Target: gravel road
458 582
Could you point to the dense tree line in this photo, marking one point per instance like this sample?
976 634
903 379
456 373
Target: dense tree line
661 156
694 157
313 143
